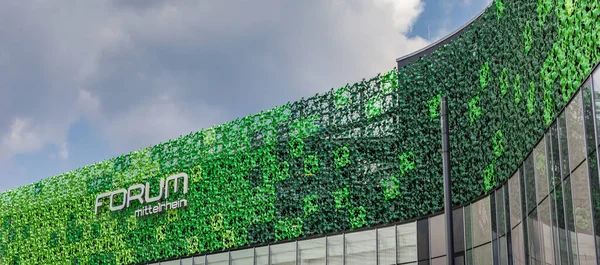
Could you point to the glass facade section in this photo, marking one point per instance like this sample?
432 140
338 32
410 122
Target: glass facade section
407 242
546 232
242 257
514 191
437 236
217 259
361 248
482 255
283 254
458 231
262 256
386 245
563 145
583 216
570 221
423 239
335 250
518 248
575 133
312 251
480 216
541 172
528 169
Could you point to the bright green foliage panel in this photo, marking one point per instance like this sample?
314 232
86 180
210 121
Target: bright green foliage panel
361 155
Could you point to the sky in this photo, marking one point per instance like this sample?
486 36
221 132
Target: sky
84 81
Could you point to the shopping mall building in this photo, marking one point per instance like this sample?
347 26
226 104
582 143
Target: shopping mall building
354 175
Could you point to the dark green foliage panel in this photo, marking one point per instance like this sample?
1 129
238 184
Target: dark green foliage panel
361 155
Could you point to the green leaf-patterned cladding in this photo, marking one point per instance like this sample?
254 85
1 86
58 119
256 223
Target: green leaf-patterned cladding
359 156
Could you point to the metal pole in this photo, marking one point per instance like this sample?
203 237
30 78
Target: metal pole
447 183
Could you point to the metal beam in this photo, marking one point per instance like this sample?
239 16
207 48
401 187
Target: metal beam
447 183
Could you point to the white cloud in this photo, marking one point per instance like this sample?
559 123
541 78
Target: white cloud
145 71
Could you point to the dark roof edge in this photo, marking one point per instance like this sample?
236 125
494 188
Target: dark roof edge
409 58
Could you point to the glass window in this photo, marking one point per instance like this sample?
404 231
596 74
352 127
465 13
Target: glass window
469 257
575 133
407 242
588 115
283 254
468 228
503 255
541 174
438 261
361 248
423 239
533 237
583 216
188 261
312 252
494 230
458 230
437 235
593 170
560 224
596 84
571 236
500 217
170 262
482 255
553 156
242 257
335 250
386 238
218 259
546 231
517 245
529 184
199 260
514 189
262 255
480 217
563 146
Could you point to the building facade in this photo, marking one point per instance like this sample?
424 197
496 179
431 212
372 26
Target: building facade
354 175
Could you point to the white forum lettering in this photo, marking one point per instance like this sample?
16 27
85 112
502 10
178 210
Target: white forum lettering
143 196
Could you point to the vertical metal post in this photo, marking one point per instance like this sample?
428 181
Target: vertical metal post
447 183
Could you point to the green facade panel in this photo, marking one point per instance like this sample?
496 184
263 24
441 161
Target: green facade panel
361 155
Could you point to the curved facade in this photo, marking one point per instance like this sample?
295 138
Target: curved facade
353 176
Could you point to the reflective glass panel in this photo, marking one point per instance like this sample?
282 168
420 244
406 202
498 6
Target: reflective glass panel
335 250
514 189
283 254
437 235
553 156
482 255
517 245
500 217
407 242
595 185
423 239
480 216
533 237
312 251
503 255
468 228
187 261
561 225
262 255
571 236
563 146
546 232
583 216
199 260
170 262
438 261
361 248
588 115
218 259
528 169
458 230
242 257
386 238
596 84
541 174
575 133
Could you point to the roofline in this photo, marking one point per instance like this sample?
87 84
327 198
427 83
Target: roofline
416 55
